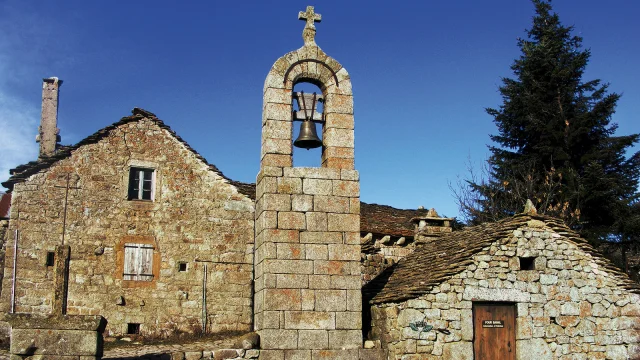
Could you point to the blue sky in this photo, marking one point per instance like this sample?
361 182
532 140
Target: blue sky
422 74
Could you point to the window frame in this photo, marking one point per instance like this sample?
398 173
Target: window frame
118 270
138 194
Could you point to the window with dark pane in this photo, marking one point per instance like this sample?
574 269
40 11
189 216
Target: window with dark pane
141 183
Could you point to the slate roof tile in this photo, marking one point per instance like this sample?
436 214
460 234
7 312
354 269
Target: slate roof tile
386 220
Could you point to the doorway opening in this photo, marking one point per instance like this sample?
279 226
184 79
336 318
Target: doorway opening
494 331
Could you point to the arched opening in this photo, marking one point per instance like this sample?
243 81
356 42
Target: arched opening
307 108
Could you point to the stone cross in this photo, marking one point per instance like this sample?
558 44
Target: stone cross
309 32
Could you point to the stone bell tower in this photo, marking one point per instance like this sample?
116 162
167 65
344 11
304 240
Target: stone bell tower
307 259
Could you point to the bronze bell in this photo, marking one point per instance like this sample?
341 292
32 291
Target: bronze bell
308 137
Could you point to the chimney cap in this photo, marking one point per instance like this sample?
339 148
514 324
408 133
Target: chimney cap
52 80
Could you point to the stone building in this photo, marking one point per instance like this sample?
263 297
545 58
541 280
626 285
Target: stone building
145 216
161 241
133 224
523 288
389 235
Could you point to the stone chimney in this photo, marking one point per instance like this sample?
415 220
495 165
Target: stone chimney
48 131
431 226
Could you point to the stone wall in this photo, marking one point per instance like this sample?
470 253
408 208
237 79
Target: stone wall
308 301
307 261
382 252
567 308
64 337
195 218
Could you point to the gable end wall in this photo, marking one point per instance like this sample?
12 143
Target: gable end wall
196 217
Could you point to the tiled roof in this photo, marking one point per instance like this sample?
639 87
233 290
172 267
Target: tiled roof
437 261
386 220
22 172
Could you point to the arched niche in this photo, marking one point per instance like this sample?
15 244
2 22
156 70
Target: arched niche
308 64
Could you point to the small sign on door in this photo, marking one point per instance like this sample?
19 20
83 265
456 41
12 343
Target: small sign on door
492 323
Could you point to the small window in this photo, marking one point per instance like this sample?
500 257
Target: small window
141 183
138 262
182 266
51 258
527 263
133 329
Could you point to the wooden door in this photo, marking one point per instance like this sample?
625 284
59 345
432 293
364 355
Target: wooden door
494 330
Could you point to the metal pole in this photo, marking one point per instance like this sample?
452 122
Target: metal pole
204 300
13 281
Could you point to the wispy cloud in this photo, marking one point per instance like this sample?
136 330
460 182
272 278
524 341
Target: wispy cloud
18 125
26 42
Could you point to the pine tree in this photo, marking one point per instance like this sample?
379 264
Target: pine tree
555 143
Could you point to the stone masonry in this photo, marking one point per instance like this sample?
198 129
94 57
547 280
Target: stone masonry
379 252
568 307
48 131
307 261
195 220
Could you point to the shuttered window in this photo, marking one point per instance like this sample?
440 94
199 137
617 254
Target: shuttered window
141 183
138 262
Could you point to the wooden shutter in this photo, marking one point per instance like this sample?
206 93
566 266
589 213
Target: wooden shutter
138 262
145 272
130 251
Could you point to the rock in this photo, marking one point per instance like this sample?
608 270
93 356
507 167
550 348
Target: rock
617 352
225 354
457 350
368 344
631 310
534 349
529 208
248 341
177 355
99 250
570 308
193 355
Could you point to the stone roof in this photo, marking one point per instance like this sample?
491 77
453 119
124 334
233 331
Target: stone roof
23 172
386 220
437 261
